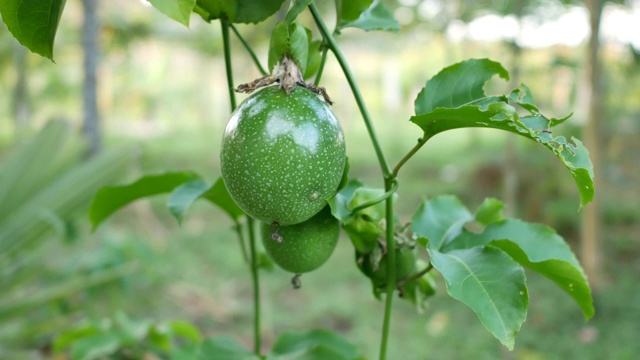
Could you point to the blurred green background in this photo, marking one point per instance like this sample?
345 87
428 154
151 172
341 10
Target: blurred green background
163 104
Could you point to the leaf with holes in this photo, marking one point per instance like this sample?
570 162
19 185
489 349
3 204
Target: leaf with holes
454 98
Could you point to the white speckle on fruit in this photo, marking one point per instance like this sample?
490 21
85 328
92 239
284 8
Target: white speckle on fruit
307 136
276 126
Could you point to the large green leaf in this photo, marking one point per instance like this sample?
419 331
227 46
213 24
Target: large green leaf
454 99
376 17
178 10
491 283
33 22
111 198
313 344
440 220
457 85
185 187
538 248
224 348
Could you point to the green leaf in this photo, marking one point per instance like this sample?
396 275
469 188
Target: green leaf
314 58
489 211
297 8
178 10
364 227
131 332
112 198
339 203
289 39
539 248
440 220
185 330
376 17
184 195
224 348
363 233
524 98
365 194
315 352
350 10
502 116
454 98
215 9
33 23
314 344
499 115
96 346
219 195
457 85
70 336
255 11
491 283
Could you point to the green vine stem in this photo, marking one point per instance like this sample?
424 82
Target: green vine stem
252 239
333 46
386 195
249 50
256 286
391 275
415 276
423 140
389 179
243 247
227 62
323 60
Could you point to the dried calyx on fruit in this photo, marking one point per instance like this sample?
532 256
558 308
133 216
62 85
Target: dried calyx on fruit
289 76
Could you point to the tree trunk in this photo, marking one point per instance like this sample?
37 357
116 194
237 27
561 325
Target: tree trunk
590 228
91 122
20 94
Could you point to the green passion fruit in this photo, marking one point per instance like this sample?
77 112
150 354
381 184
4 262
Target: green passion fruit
302 247
405 266
282 155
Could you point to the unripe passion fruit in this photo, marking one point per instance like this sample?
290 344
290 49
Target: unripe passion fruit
303 247
282 155
405 266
